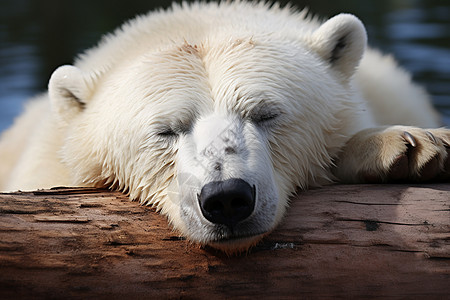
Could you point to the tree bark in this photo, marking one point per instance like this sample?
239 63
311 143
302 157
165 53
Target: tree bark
336 242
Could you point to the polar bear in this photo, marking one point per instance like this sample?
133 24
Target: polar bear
216 113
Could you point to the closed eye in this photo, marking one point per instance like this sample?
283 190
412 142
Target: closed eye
264 117
170 132
167 132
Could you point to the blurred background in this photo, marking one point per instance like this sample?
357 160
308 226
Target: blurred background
37 36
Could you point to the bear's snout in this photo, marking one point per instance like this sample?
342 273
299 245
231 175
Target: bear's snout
227 202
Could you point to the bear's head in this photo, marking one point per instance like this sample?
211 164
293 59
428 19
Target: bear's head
218 132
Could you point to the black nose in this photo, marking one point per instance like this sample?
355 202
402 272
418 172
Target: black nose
227 202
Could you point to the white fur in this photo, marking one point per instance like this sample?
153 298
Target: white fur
152 110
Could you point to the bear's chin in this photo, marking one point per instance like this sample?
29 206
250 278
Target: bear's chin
236 246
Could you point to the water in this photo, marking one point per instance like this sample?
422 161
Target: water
37 36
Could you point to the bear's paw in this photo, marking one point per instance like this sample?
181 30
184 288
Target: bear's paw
396 154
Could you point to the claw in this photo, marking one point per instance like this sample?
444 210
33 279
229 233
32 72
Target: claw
409 138
431 137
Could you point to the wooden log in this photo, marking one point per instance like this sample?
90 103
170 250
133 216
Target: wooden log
341 241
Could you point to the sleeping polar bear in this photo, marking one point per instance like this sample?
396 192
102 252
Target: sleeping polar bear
216 114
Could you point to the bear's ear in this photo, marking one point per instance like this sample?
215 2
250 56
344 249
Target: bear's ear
341 41
68 90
